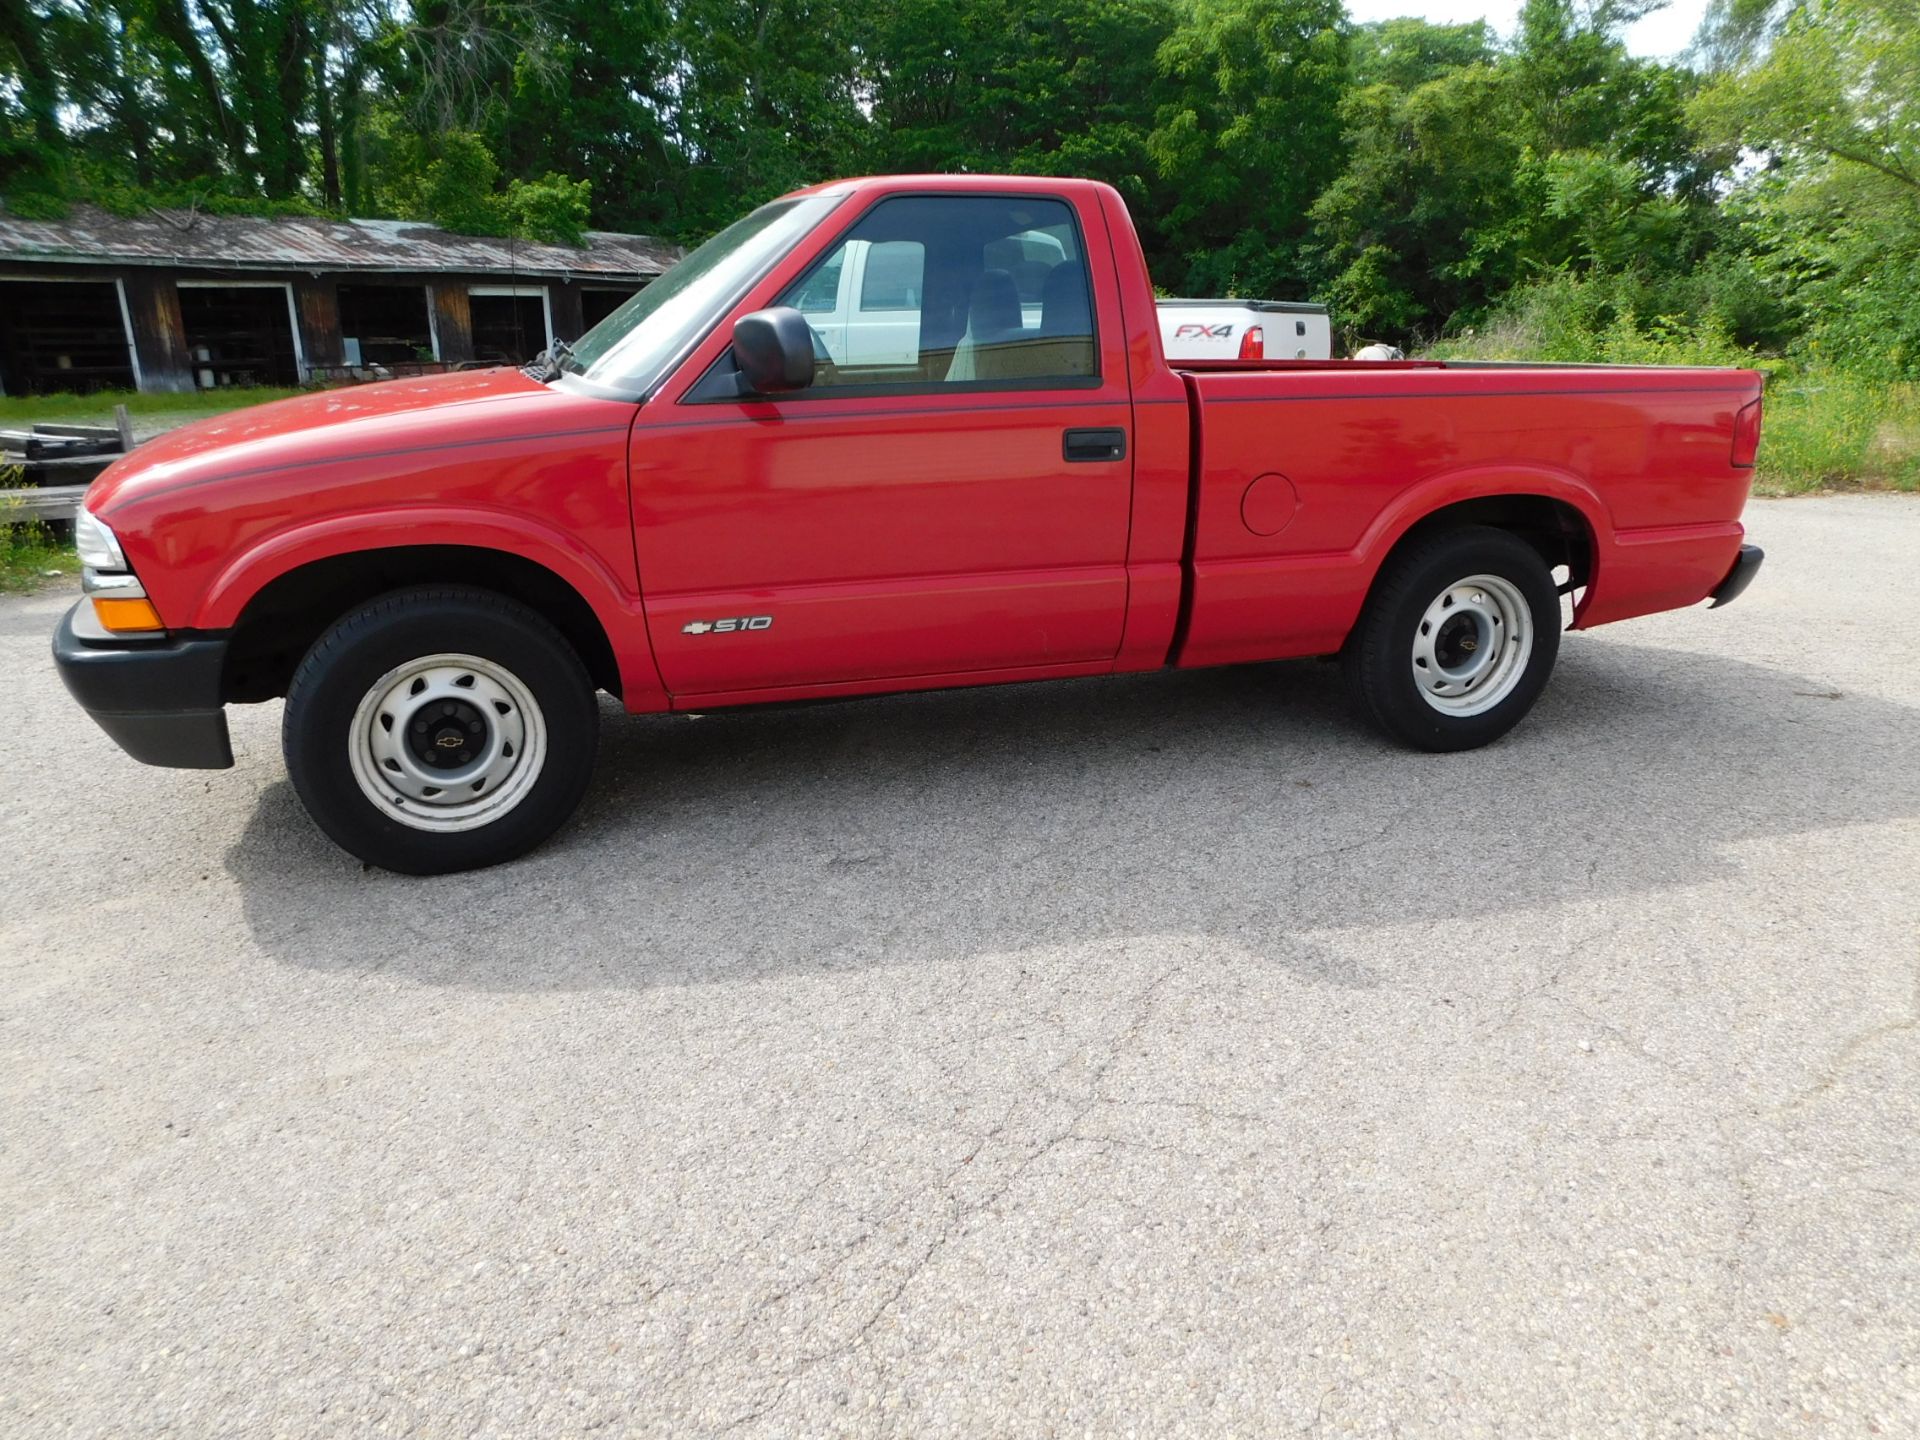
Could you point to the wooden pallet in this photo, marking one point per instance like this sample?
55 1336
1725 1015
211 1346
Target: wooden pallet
58 461
48 504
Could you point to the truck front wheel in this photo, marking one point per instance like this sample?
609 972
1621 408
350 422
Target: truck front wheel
1457 639
441 728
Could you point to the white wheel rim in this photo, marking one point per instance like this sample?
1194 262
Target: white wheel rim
1472 645
447 742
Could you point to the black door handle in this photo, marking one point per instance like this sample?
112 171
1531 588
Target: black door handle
1095 444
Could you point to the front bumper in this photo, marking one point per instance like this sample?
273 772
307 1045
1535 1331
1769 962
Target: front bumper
1746 565
159 699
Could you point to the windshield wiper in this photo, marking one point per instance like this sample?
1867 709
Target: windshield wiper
551 363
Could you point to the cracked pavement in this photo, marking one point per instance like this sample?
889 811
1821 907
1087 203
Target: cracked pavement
1160 1056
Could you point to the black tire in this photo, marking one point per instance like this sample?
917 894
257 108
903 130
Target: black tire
365 646
1379 658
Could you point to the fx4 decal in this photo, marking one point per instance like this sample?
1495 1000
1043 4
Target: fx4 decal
1193 331
727 627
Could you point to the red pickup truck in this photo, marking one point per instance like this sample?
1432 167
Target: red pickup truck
988 473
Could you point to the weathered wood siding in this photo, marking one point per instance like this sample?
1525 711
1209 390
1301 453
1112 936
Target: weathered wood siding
316 298
159 334
453 321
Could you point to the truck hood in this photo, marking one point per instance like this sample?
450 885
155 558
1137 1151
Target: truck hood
311 430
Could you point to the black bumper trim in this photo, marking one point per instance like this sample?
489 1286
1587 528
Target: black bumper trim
1746 565
158 700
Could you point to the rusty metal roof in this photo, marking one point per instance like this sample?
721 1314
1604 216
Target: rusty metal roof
187 239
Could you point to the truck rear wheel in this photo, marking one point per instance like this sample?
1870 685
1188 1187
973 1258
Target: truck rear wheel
1457 640
440 729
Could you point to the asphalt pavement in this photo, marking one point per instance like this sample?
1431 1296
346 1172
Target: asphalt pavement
1160 1056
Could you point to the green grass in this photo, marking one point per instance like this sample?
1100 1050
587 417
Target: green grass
1827 430
148 411
27 553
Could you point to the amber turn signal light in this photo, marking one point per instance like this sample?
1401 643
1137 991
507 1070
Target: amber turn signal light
122 616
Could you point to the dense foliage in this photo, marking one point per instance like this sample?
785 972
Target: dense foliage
1545 192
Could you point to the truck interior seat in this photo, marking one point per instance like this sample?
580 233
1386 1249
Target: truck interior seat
993 318
1066 325
1030 275
1062 346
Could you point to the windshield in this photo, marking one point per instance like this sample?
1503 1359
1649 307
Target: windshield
632 347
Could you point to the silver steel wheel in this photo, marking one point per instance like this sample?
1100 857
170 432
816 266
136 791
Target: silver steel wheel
447 742
1472 645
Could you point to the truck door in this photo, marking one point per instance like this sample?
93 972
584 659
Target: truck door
950 497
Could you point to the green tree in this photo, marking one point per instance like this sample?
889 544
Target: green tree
1837 82
766 97
598 108
1248 138
1428 217
1825 91
1474 169
1058 85
1407 53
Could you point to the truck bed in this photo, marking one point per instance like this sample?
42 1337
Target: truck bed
1304 466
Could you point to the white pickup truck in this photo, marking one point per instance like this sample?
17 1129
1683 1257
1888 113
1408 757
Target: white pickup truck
865 308
1244 330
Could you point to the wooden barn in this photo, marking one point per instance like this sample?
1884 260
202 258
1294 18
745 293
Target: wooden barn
176 300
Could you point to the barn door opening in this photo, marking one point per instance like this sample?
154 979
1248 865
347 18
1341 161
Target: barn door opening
509 323
599 301
239 334
386 325
69 335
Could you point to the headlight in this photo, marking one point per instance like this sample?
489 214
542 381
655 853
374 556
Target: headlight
95 542
120 603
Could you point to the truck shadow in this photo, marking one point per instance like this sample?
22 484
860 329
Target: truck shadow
1238 807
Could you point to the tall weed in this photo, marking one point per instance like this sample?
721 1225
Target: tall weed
1827 428
28 552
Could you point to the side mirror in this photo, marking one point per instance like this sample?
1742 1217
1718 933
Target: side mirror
774 350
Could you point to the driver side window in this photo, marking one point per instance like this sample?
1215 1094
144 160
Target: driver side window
984 292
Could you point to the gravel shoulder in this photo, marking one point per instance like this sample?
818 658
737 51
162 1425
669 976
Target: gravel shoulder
1159 1055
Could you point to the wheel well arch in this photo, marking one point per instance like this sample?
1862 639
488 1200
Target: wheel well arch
1555 528
283 619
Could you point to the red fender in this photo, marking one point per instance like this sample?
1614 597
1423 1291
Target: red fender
618 609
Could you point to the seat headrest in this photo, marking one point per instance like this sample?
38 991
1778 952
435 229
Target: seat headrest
995 306
1030 275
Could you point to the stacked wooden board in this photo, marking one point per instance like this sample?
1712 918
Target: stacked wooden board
45 470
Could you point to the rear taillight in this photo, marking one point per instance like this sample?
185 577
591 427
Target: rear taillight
1746 434
1253 344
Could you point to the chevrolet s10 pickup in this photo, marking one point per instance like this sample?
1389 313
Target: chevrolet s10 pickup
709 500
